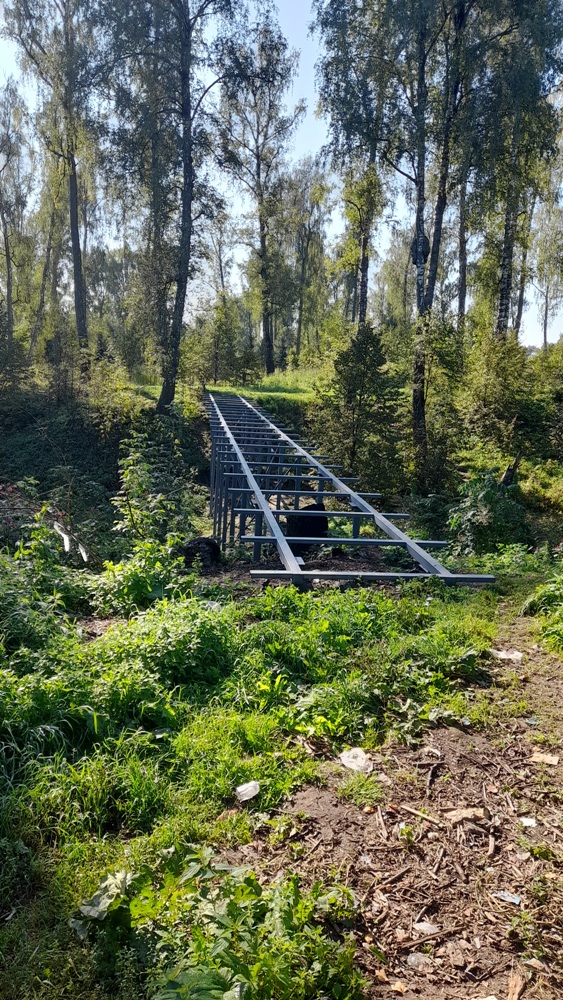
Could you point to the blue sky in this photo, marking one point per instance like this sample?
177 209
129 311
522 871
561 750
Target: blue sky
295 17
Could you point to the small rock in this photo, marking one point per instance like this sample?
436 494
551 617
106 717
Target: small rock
534 963
527 821
383 778
456 816
456 957
419 962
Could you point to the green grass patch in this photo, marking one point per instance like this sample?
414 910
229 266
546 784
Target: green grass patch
118 754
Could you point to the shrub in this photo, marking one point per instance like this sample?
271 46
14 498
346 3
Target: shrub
548 602
152 572
487 515
183 642
274 943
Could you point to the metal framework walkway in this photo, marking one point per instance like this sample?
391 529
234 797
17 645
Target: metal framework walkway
256 467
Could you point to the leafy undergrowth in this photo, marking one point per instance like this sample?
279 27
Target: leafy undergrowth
547 603
120 756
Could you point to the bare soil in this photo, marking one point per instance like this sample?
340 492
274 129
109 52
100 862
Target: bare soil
488 881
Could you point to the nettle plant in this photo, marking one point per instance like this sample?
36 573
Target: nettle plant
155 498
487 515
222 935
155 504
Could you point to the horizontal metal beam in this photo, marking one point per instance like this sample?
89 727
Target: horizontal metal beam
310 479
424 559
312 513
255 463
330 540
313 575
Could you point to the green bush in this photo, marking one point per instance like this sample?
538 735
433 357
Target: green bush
278 942
182 642
487 515
547 601
153 571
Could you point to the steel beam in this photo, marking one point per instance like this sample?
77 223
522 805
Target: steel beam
253 459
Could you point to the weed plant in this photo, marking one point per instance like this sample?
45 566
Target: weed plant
119 752
547 602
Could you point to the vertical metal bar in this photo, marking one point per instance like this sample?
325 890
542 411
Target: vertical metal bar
212 474
257 547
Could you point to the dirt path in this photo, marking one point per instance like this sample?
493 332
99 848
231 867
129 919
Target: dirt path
466 904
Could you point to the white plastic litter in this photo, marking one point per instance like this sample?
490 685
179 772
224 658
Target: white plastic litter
425 927
247 791
514 655
507 897
356 760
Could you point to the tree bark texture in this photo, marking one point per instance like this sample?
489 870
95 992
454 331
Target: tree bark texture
545 315
462 280
364 279
420 438
9 277
77 269
43 287
172 360
267 319
509 237
523 281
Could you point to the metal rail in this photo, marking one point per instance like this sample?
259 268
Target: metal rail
255 463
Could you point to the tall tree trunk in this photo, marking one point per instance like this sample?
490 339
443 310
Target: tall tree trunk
509 238
420 437
506 267
9 278
78 273
524 269
43 287
302 280
441 203
159 278
172 360
267 321
462 281
364 279
545 316
355 297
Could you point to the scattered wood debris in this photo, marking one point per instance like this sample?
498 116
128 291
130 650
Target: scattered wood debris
457 872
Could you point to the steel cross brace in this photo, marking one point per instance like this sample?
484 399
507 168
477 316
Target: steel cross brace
252 457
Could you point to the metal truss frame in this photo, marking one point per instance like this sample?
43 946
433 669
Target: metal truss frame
255 462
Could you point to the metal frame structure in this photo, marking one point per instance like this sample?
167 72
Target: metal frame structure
256 463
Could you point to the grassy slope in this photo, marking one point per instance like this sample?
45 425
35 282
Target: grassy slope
121 752
119 748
